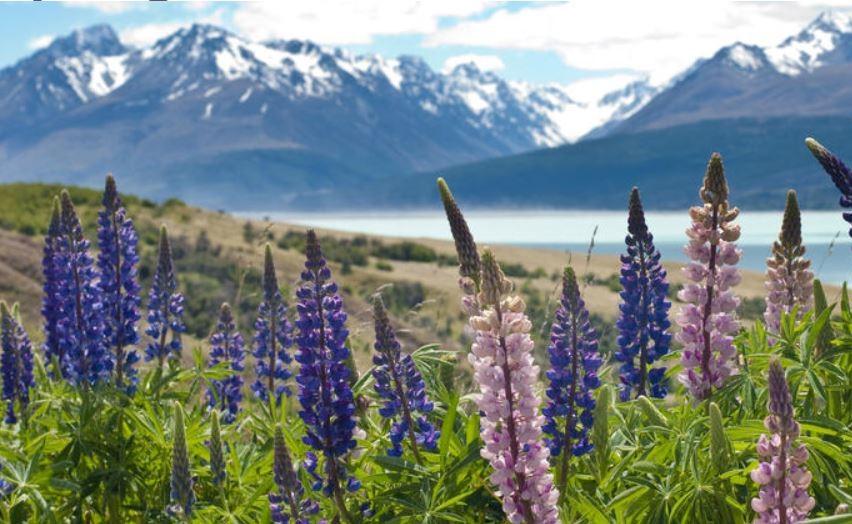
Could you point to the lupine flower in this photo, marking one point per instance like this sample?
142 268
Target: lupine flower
788 278
708 319
511 427
469 263
288 500
226 345
165 308
574 361
217 458
401 387
86 358
273 335
51 306
782 475
839 173
644 320
325 395
16 363
118 282
181 479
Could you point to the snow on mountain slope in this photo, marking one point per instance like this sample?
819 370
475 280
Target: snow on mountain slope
92 63
811 48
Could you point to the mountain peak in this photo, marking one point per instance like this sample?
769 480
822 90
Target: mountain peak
99 39
831 21
744 57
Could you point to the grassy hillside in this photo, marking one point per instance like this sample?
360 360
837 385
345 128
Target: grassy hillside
218 259
763 158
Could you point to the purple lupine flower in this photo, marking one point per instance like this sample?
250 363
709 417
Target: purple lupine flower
165 308
181 483
788 278
782 475
226 345
288 501
16 363
119 285
708 319
51 305
273 335
573 376
511 426
86 358
401 387
644 320
328 406
839 173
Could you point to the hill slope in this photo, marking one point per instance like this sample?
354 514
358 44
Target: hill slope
763 158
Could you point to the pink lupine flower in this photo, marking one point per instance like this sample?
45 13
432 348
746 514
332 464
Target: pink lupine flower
708 319
782 475
788 278
502 360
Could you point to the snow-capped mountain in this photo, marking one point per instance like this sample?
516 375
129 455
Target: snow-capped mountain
284 110
806 74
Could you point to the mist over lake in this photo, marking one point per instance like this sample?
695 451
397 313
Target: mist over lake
824 232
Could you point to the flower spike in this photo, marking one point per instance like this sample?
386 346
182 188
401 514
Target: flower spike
165 308
51 308
402 389
226 345
782 475
839 173
788 277
708 317
273 335
328 407
643 322
119 284
574 361
511 426
469 263
16 363
86 358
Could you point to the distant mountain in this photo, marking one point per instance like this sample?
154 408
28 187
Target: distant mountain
221 121
204 110
807 74
763 159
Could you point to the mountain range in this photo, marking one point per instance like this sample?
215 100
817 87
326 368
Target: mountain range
221 121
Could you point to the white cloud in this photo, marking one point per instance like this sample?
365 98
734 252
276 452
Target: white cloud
656 37
347 22
40 42
110 8
590 90
483 62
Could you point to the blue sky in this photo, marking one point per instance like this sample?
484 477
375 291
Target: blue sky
536 42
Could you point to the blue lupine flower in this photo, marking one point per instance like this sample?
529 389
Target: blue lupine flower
182 494
574 361
325 395
288 500
165 308
16 363
226 345
273 335
839 173
86 358
401 387
119 285
644 321
51 306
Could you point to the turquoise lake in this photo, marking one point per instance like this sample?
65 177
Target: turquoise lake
825 233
